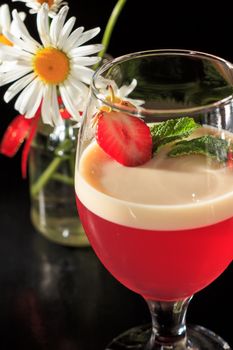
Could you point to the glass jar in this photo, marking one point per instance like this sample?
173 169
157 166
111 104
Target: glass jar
51 172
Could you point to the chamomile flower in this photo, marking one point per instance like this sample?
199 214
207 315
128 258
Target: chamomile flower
124 91
109 92
58 66
7 24
35 5
113 94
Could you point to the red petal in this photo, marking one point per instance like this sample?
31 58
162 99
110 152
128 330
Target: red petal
27 145
63 111
65 114
14 135
60 102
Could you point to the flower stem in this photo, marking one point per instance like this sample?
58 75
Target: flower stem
45 176
110 26
63 178
62 152
72 165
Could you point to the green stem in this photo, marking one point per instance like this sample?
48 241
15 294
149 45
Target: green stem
63 178
45 176
110 26
72 164
61 156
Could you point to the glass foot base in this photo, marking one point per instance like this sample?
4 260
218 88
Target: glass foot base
199 338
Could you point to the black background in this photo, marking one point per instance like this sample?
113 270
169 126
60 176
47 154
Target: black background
145 24
149 24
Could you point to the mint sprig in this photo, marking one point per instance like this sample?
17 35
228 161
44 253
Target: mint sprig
171 130
208 145
211 146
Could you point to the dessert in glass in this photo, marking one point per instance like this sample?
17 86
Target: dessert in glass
154 185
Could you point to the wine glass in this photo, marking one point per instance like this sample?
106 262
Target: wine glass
154 185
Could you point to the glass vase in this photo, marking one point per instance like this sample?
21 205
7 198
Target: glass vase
51 173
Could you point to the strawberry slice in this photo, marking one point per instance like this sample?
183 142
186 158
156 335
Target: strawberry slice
125 138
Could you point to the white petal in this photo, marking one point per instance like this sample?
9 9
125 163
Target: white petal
57 119
103 83
79 87
83 74
66 30
13 75
50 109
86 61
23 102
43 26
55 7
73 39
5 18
6 67
12 53
23 45
22 15
25 61
34 8
35 100
23 29
9 53
34 5
78 93
68 101
88 35
125 90
46 105
57 24
53 33
78 97
14 28
86 50
19 85
63 13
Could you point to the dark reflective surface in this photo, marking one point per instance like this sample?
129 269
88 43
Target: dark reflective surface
52 297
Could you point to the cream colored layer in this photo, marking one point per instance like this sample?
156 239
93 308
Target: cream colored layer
163 194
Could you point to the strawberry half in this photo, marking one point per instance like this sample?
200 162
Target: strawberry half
125 138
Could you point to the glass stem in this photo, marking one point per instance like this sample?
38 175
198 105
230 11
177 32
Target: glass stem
168 324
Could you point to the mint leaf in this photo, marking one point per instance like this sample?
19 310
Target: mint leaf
171 130
208 145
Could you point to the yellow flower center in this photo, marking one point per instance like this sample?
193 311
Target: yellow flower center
112 98
49 2
51 65
5 41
